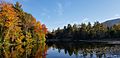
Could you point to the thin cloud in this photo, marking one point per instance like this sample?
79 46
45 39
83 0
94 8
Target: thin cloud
45 13
85 19
45 10
24 0
60 8
117 15
114 17
68 3
48 16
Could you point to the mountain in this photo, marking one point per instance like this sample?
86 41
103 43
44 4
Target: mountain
112 22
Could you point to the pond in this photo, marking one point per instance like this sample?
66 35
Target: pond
82 50
60 50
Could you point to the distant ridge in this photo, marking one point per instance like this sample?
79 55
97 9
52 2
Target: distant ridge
112 22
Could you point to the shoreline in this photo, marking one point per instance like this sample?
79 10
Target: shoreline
88 41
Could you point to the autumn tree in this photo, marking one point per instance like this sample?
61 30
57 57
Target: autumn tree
17 26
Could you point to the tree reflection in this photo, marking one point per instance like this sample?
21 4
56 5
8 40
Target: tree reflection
23 51
87 50
42 51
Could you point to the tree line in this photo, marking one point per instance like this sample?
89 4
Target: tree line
17 26
83 31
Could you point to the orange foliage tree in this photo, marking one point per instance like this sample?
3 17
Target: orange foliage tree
17 26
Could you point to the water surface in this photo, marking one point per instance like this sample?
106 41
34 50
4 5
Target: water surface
60 50
82 50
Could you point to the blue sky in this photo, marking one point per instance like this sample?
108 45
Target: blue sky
57 13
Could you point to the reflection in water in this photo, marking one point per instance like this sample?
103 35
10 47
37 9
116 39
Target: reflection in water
60 50
84 50
23 51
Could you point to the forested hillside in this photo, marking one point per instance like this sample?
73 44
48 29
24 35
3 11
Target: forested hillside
17 26
112 22
97 31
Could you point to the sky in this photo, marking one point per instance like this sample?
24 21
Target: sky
59 13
